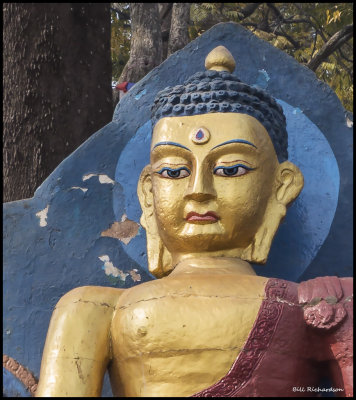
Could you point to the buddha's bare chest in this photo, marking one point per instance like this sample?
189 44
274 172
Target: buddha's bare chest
183 331
176 322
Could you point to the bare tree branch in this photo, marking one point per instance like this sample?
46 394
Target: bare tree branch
264 25
298 21
289 38
276 11
315 25
249 9
314 44
334 43
288 20
252 24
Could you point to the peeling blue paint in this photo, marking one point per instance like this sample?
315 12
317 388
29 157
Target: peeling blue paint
262 79
140 94
297 110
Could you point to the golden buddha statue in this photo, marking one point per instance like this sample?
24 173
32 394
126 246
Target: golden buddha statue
215 191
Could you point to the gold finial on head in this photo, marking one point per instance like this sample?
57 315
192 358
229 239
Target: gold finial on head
220 59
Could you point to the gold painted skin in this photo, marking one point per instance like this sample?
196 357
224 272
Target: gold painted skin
180 334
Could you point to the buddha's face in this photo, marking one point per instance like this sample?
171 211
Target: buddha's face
212 177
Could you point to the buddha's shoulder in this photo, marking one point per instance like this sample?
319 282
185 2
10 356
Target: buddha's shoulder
192 286
99 296
155 288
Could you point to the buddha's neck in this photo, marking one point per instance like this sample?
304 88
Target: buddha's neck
206 264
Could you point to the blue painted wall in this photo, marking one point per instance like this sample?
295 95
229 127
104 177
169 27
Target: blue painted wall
88 192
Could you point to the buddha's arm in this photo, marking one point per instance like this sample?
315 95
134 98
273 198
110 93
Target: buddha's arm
77 349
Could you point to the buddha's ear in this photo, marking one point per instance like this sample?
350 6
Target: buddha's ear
159 258
288 184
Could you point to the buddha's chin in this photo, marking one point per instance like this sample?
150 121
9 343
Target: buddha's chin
201 237
191 230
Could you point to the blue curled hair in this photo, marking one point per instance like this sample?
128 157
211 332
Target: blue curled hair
219 91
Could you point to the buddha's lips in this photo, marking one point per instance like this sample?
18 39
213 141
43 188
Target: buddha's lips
208 216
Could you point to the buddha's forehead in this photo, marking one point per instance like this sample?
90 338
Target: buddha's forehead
209 130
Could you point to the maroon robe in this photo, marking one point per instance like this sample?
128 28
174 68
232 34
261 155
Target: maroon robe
301 333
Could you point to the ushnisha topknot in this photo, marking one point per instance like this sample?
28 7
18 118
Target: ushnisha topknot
217 90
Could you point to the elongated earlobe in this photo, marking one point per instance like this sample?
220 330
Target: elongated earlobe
159 258
257 252
289 183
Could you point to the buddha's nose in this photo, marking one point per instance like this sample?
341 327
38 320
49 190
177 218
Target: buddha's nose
201 188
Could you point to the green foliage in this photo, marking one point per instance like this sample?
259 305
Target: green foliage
299 29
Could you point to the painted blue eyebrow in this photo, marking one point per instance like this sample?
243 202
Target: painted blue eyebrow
235 141
172 144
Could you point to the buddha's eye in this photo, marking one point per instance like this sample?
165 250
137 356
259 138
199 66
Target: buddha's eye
174 173
234 170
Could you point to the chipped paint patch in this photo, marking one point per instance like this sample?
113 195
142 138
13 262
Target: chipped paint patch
42 215
262 79
102 178
136 277
77 187
124 230
140 94
80 373
297 111
110 269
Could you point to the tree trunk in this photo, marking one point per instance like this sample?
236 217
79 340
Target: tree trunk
178 36
57 86
165 16
146 42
